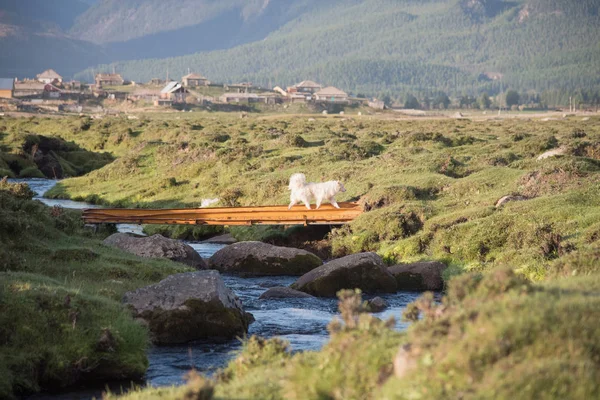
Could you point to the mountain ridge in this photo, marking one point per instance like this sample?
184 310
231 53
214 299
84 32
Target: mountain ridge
369 45
372 46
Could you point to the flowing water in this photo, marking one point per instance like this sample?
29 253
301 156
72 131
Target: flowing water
302 322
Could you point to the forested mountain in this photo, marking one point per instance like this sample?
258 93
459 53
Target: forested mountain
379 46
363 46
131 29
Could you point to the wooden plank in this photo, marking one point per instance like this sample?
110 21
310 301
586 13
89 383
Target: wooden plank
260 215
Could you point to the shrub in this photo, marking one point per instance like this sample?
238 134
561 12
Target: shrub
20 190
498 336
230 197
31 172
295 141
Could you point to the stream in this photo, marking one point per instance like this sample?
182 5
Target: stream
302 322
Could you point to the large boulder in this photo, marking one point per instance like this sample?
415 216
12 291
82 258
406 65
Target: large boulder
262 259
365 271
156 246
189 306
282 292
419 276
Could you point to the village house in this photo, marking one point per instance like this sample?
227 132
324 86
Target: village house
376 104
156 82
109 80
331 94
175 92
297 98
144 94
49 76
36 89
193 80
73 85
239 98
242 87
305 87
7 86
279 90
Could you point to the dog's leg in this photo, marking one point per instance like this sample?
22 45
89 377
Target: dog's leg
334 203
307 204
319 203
292 203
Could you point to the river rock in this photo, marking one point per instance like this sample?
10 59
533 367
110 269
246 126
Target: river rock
221 239
365 271
157 246
262 259
419 276
377 304
189 306
282 292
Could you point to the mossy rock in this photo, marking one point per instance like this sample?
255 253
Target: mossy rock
262 259
189 306
365 271
419 276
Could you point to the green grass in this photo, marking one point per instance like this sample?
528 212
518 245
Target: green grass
499 336
522 322
61 317
430 185
20 151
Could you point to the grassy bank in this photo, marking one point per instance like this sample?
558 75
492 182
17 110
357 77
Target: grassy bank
61 318
430 185
494 335
30 151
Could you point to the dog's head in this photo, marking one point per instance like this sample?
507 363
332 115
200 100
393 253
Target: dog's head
340 186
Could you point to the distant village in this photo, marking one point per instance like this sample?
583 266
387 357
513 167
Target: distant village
50 92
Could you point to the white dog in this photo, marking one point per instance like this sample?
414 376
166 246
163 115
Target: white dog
304 192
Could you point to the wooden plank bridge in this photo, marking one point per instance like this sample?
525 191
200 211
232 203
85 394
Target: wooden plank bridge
263 215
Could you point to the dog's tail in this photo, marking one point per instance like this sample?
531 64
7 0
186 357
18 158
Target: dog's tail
297 181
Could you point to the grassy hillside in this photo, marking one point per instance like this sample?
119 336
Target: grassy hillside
382 46
430 186
27 155
61 318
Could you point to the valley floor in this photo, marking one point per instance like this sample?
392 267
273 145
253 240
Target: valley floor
519 317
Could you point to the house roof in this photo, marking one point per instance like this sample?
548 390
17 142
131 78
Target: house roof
109 77
171 87
29 85
241 95
49 74
331 91
308 84
146 92
193 76
6 84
